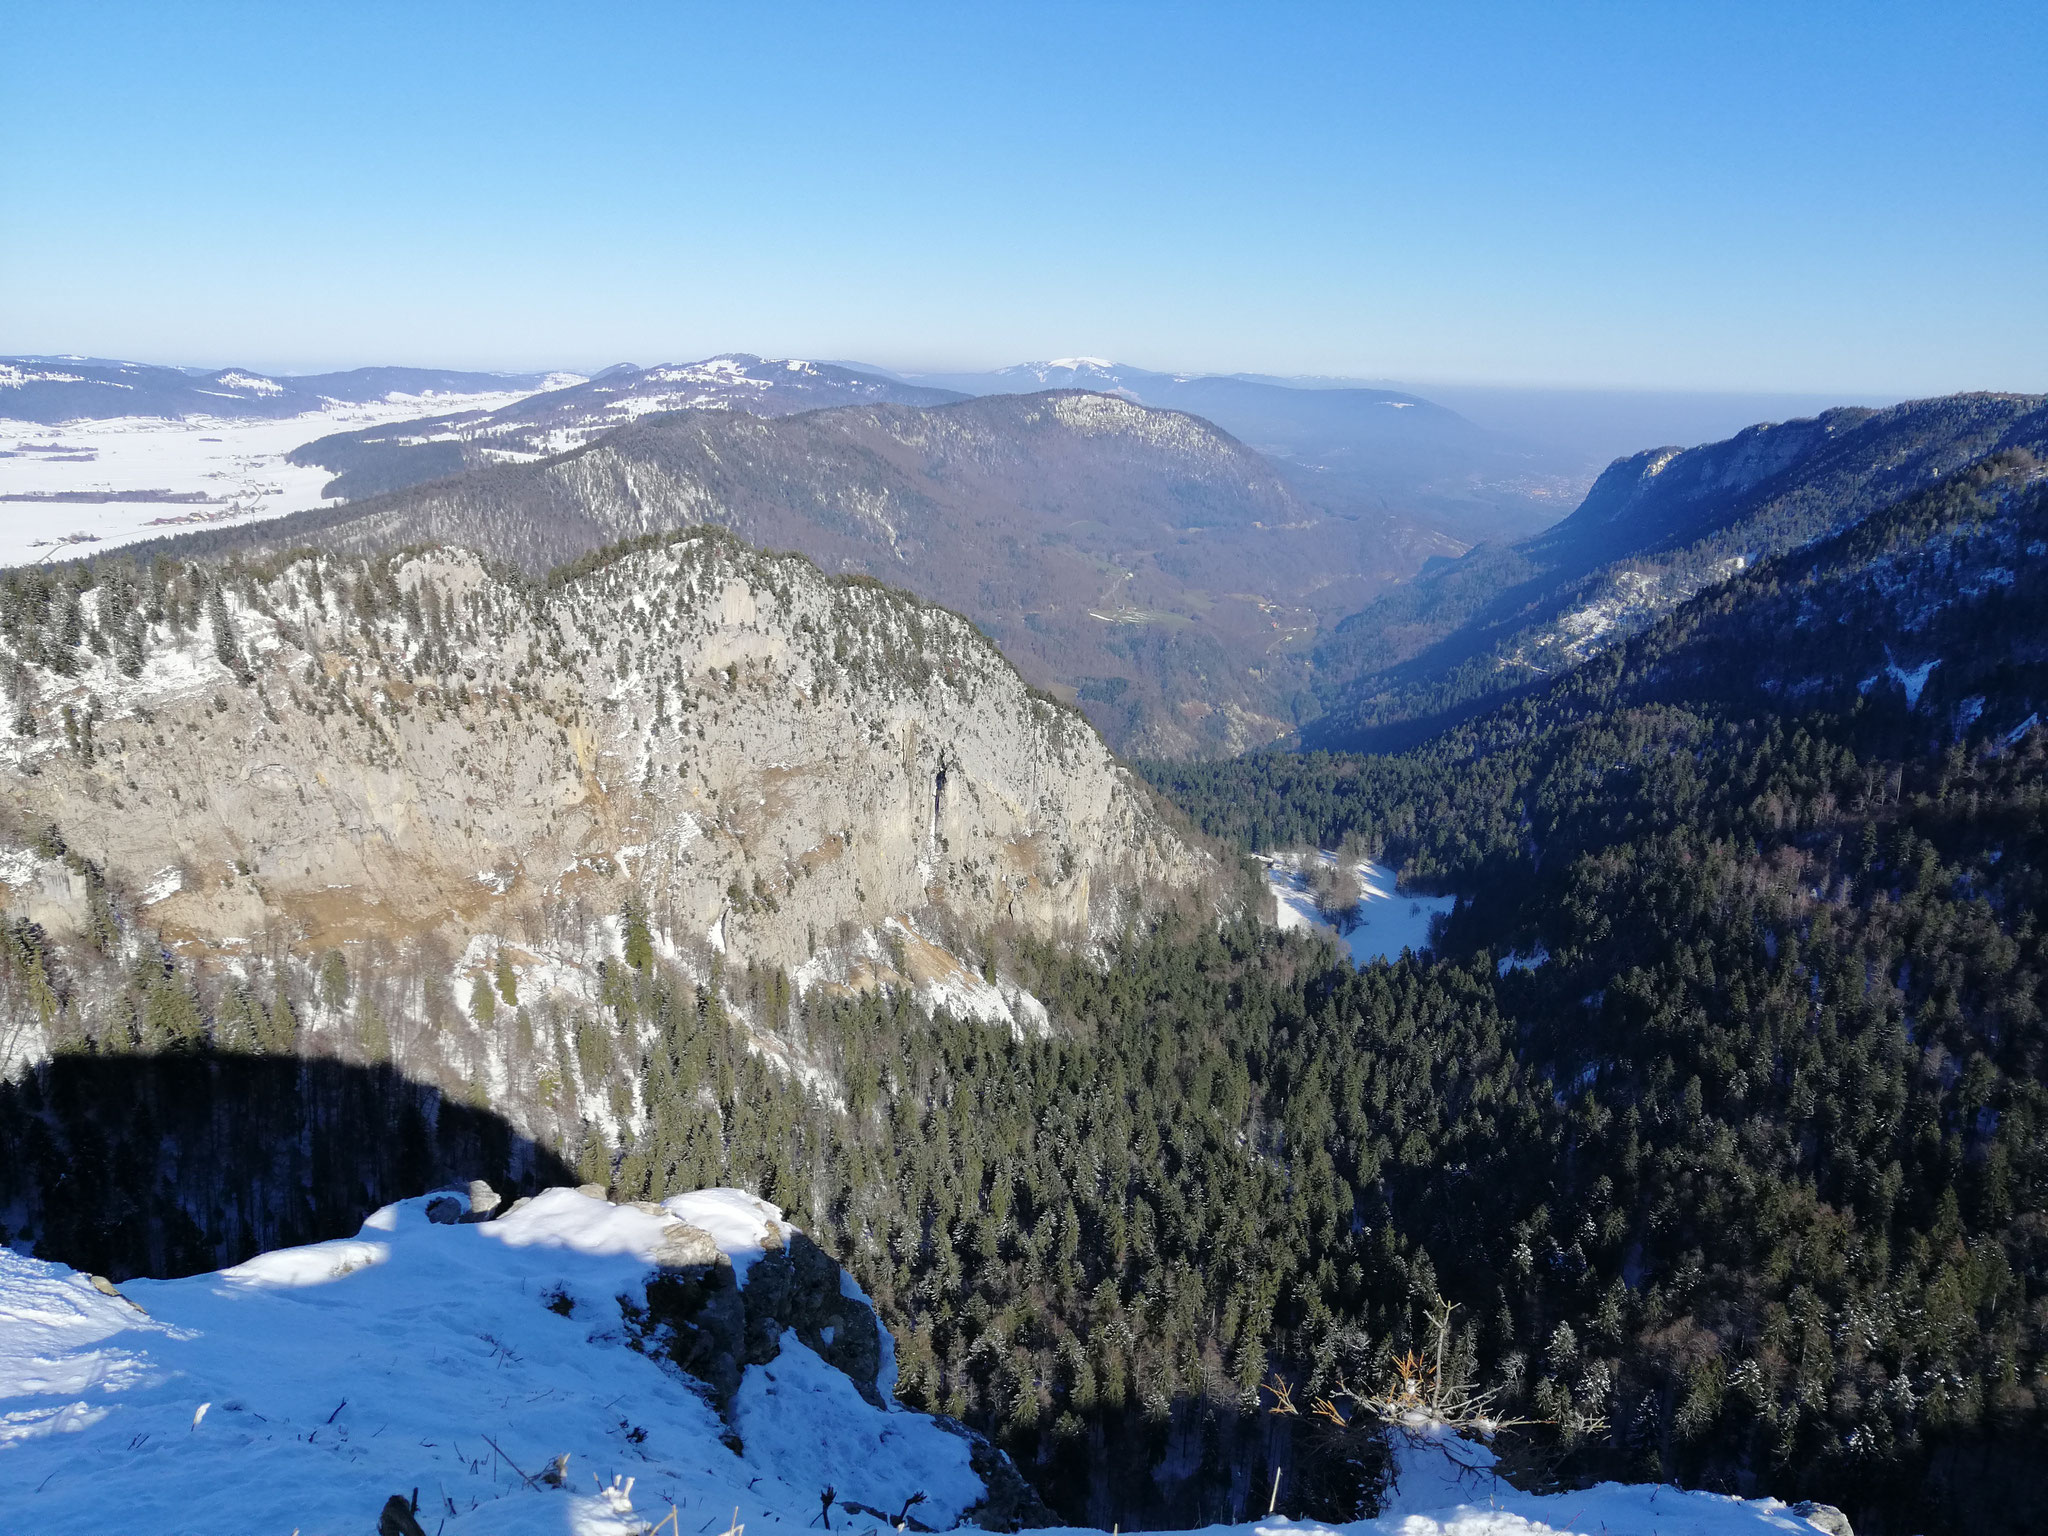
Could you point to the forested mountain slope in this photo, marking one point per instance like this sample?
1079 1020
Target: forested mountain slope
1655 529
1762 892
1142 559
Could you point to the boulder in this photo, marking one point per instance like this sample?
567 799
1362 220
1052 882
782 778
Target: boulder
686 1247
445 1210
698 1316
107 1287
483 1202
1012 1504
694 1315
797 1286
1826 1516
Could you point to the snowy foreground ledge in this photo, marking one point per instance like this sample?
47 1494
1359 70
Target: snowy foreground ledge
299 1391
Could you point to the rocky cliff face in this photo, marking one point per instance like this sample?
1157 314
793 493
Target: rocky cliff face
466 797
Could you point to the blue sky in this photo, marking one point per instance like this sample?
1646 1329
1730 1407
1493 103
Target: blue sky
1804 197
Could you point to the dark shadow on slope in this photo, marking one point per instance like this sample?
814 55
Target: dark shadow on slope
177 1164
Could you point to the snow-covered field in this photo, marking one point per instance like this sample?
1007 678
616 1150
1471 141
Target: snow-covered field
1387 921
301 1390
237 467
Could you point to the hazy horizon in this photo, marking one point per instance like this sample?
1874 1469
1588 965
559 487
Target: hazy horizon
1827 202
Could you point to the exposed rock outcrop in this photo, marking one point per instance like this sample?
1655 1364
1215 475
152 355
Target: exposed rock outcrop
701 1315
455 794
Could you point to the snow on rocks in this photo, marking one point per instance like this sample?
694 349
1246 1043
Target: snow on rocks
738 1222
341 1373
1913 679
1446 1486
304 1388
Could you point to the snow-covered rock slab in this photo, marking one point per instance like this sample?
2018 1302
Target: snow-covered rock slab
300 1390
1446 1486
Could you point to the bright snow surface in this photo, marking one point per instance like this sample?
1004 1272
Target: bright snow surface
300 1390
1386 920
341 1373
239 466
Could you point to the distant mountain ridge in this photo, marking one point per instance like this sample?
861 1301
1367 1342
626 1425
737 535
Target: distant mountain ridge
1166 574
374 460
52 390
1657 528
1350 445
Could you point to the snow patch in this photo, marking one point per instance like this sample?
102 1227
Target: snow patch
328 1385
1386 920
164 884
797 1411
1914 681
738 1222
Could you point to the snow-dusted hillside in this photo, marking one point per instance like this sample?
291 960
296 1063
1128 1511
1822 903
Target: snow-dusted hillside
92 484
476 777
365 462
304 1389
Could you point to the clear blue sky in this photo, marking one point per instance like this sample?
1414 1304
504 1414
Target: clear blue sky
1779 196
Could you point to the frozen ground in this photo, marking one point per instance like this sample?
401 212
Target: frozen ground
237 467
299 1391
1386 922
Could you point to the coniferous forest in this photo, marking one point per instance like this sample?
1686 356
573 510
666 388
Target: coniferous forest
1719 1112
1094 770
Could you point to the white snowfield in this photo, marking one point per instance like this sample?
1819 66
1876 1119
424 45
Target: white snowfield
238 466
300 1390
1386 920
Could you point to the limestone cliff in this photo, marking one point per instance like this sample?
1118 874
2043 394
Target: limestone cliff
467 793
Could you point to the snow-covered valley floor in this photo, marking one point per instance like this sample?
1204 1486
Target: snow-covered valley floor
301 1390
237 466
1386 920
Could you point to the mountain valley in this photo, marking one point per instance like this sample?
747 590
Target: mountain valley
1149 565
497 828
1655 529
